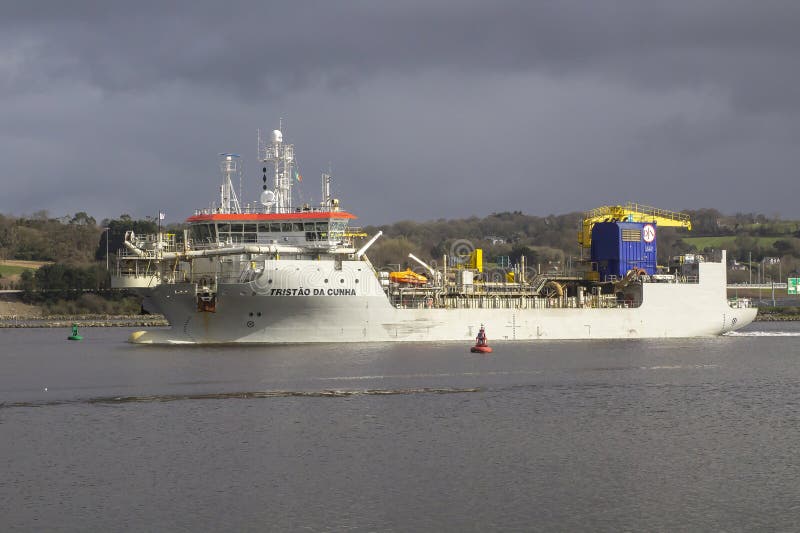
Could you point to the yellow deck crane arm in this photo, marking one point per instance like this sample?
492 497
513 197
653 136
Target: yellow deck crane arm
630 212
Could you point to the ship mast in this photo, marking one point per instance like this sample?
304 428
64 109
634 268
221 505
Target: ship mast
280 157
230 167
326 191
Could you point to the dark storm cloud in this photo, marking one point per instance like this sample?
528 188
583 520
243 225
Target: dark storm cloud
562 104
745 47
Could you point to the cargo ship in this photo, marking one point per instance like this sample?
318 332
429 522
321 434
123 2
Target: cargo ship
273 272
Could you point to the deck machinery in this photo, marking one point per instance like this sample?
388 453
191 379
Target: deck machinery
621 241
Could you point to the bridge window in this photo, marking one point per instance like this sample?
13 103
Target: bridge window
202 233
250 234
338 227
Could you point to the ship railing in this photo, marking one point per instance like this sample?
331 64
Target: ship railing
656 278
130 274
257 209
127 269
472 301
657 212
421 298
147 255
209 244
150 245
155 240
491 289
663 278
538 283
740 303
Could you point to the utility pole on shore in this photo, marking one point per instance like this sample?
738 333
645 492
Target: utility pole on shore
107 236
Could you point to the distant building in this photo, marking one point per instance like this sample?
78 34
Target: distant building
494 239
736 265
729 223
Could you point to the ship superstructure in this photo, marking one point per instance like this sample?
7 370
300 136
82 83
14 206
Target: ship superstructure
273 272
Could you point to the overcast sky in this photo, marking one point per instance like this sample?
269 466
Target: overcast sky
424 109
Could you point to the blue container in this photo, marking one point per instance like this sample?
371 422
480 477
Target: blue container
618 247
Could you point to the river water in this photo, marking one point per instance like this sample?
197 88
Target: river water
653 435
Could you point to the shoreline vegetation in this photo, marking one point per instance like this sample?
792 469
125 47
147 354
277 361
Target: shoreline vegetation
778 314
83 321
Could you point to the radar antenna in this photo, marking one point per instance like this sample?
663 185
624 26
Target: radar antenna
278 159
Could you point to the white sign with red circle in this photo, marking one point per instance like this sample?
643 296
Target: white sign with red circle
648 233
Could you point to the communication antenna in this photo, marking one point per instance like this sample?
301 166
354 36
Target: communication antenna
278 159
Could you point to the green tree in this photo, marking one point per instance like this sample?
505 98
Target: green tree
82 219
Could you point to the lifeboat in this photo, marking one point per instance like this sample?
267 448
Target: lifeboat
408 276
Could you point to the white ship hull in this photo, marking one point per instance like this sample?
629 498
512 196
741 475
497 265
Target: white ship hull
300 306
275 273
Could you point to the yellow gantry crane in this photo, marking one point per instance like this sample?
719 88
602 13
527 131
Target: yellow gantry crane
630 212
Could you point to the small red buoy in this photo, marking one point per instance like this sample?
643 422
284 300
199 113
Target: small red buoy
482 343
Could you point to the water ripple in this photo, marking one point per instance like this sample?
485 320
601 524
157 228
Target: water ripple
244 395
763 334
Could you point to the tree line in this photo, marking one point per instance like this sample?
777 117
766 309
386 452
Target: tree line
73 249
76 244
552 239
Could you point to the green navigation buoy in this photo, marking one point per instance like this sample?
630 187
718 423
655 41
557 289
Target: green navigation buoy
75 336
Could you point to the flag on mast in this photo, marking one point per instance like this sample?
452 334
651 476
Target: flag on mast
297 175
161 216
